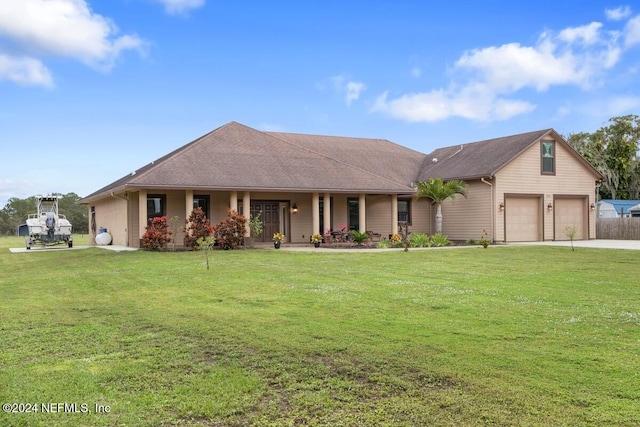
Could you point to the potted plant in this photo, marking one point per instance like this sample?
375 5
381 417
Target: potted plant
277 239
316 239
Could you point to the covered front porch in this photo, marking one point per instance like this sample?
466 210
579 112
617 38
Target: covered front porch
296 215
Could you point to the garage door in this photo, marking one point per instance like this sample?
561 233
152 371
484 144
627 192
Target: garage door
523 219
570 213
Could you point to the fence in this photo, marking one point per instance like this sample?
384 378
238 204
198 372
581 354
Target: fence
618 228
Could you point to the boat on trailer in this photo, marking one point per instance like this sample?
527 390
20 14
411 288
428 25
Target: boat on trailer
47 226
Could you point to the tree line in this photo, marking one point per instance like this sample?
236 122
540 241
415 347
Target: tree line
16 211
614 150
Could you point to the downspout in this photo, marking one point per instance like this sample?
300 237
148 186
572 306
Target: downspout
491 210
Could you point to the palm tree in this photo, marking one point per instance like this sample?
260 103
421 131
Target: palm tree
439 191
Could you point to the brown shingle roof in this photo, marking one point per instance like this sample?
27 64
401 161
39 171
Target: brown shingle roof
484 159
237 157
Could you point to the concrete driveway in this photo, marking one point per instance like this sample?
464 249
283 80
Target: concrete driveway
596 243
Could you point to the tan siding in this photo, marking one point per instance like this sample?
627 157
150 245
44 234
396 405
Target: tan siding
421 216
340 212
302 222
466 218
523 175
379 214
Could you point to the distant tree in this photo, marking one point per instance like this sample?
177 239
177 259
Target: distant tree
16 212
76 213
614 151
439 191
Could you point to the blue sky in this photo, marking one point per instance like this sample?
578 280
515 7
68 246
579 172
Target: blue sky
91 90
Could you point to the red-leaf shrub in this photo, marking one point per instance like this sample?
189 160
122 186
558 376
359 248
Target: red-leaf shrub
229 234
198 226
158 234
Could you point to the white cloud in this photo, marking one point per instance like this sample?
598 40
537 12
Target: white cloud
353 91
622 105
618 14
36 29
176 7
24 71
485 80
439 105
350 89
416 72
632 32
586 34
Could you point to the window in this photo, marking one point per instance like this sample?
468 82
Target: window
548 157
202 202
156 206
354 213
404 211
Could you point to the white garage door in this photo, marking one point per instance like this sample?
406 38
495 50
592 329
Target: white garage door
570 214
522 219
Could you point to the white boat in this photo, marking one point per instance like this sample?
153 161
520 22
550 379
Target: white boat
48 226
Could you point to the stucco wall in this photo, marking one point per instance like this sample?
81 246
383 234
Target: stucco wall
111 213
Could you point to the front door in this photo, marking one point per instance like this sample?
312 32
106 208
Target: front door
269 216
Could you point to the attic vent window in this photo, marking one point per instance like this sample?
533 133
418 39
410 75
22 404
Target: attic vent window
548 157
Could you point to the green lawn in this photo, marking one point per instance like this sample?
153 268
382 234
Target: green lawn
504 336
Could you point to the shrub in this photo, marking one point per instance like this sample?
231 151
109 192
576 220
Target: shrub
229 234
384 243
198 227
255 224
440 240
157 235
358 237
419 240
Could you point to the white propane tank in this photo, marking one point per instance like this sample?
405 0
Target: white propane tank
103 238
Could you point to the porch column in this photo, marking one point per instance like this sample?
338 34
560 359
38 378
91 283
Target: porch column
326 214
362 211
394 214
246 211
315 212
233 201
142 214
188 203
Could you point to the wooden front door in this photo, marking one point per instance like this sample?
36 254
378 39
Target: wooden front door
270 218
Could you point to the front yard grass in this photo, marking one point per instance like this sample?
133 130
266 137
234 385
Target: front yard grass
505 336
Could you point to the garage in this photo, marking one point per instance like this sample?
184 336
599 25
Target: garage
570 213
523 219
